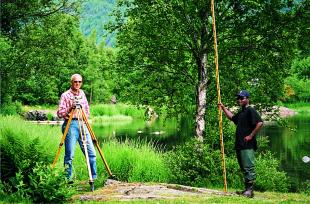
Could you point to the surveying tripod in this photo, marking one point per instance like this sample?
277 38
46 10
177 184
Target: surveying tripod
82 119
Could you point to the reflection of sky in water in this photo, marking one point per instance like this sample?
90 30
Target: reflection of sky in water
305 159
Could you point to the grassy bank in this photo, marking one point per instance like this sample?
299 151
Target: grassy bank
99 112
27 142
300 107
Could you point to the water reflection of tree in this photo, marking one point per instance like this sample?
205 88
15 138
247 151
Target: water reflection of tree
290 146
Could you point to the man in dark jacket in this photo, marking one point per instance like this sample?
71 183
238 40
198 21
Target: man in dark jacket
248 123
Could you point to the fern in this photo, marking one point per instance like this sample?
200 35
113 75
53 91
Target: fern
19 154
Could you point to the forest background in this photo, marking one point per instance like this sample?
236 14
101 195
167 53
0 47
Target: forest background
156 53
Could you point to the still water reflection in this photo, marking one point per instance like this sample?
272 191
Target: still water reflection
164 134
290 144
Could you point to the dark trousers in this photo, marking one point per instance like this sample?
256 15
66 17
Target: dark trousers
246 160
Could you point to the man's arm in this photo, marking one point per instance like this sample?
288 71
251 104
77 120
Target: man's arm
64 107
228 114
258 126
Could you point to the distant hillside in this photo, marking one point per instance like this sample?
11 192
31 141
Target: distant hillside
94 15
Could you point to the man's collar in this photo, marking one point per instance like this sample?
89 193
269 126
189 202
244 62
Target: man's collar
74 93
245 107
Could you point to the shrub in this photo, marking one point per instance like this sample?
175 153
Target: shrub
296 89
24 168
268 175
8 196
48 185
197 164
11 108
305 187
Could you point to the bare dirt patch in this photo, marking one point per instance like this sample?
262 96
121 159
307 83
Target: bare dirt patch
115 190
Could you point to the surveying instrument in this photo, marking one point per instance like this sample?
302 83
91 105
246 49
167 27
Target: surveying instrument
82 124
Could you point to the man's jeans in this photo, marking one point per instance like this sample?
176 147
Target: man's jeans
70 142
246 160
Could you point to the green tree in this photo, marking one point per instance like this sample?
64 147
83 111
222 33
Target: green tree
166 51
7 85
46 54
37 43
18 13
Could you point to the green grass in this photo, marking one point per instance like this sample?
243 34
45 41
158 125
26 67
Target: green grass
132 161
117 109
300 107
113 118
100 111
265 197
46 134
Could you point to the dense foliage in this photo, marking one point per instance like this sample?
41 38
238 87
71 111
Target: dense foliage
297 84
202 167
166 52
38 59
25 167
165 41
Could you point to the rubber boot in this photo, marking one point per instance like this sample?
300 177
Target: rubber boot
249 191
241 192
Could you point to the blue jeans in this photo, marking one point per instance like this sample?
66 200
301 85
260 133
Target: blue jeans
72 137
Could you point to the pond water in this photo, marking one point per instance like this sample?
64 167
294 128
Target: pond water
289 144
164 134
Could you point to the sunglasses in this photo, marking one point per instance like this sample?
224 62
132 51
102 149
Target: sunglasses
240 98
77 82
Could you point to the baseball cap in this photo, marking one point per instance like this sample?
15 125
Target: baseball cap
243 93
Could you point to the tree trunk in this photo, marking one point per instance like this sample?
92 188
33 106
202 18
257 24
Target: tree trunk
201 98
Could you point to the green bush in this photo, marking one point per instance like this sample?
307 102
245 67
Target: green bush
11 109
8 196
24 166
197 164
268 176
305 187
48 185
296 89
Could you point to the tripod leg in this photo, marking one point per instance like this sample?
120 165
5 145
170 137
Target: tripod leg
63 138
84 141
97 145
